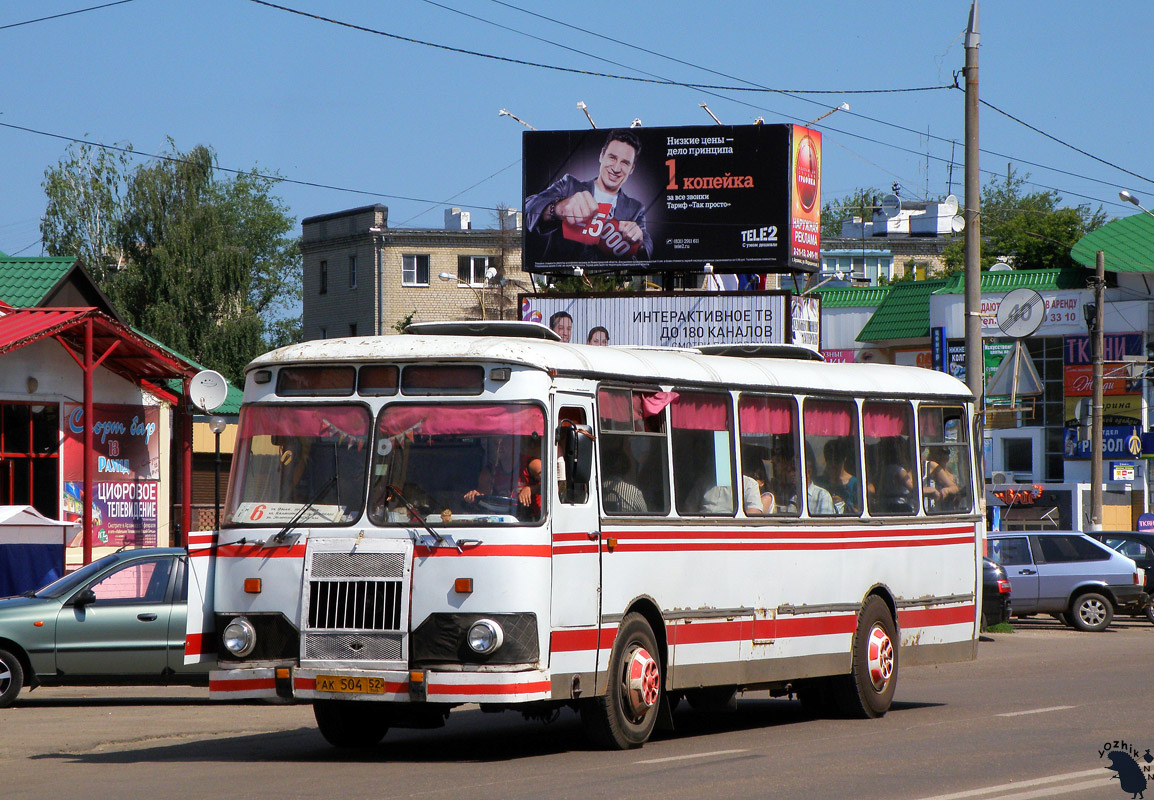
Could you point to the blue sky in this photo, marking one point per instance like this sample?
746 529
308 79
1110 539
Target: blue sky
416 127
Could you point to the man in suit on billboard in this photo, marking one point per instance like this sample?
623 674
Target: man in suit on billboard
593 220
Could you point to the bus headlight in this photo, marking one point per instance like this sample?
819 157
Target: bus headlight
239 637
485 636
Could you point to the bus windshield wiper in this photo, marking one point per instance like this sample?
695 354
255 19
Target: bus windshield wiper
412 509
292 523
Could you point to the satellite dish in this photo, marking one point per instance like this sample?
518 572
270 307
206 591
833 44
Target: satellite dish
1000 266
891 206
957 223
950 205
208 390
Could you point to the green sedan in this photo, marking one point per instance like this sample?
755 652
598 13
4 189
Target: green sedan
116 620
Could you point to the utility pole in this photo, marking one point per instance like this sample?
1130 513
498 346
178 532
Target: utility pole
1097 345
975 361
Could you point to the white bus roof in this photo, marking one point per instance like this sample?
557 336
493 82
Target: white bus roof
629 364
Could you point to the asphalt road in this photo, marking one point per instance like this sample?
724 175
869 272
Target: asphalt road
1028 719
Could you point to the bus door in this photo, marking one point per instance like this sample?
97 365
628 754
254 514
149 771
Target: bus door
575 607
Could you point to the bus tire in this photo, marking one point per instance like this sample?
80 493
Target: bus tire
11 678
349 724
624 717
868 690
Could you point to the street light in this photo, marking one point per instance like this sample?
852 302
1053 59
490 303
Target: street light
835 109
505 113
1129 198
581 105
217 426
490 273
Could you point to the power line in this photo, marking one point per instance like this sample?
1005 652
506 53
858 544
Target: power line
252 173
58 16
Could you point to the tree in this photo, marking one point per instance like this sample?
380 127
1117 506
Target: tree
209 266
84 206
1028 230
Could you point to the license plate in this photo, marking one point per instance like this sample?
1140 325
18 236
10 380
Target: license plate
350 685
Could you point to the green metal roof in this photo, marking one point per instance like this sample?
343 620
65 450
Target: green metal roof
25 281
1127 242
853 296
904 314
1007 280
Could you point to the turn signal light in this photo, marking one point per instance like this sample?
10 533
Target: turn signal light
252 585
463 585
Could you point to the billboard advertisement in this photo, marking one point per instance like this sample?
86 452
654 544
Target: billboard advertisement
744 198
683 319
125 462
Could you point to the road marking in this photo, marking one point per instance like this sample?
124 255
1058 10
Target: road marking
1017 789
1035 711
692 755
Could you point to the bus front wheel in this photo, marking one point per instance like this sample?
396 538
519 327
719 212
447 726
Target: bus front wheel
349 724
623 718
868 690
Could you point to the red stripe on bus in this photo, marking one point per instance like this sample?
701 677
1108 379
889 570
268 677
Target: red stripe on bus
786 533
579 536
490 688
486 550
925 617
199 644
789 628
242 685
571 551
567 641
249 550
676 547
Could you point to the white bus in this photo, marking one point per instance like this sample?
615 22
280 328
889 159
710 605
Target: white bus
467 514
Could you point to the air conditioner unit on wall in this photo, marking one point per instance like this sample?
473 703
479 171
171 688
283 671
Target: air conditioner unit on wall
1002 477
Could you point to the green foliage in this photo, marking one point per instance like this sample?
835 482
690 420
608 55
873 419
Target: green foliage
1028 230
209 265
404 322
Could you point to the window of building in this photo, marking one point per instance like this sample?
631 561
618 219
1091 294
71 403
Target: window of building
352 272
415 270
471 269
352 329
29 456
324 277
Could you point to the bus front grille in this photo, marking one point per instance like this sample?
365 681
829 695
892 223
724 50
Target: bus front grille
362 605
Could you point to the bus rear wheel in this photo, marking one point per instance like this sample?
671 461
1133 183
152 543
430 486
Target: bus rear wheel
869 689
624 717
349 724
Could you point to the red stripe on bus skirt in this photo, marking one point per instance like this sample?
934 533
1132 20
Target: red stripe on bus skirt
242 685
534 687
926 617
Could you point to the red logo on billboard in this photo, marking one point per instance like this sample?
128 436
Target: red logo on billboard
806 173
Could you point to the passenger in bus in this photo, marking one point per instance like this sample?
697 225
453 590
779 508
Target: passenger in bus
529 491
843 485
898 488
785 488
619 486
755 495
939 484
498 476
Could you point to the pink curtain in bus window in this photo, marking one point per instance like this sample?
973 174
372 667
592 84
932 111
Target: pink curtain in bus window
653 403
462 420
765 415
885 419
614 406
302 420
825 418
701 412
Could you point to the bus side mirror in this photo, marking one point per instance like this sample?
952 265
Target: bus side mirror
576 442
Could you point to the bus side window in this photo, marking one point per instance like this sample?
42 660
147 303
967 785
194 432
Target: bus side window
892 484
945 470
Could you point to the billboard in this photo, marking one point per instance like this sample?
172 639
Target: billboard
744 198
125 461
682 319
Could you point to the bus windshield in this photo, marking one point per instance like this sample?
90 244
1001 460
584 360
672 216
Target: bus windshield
306 460
455 463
